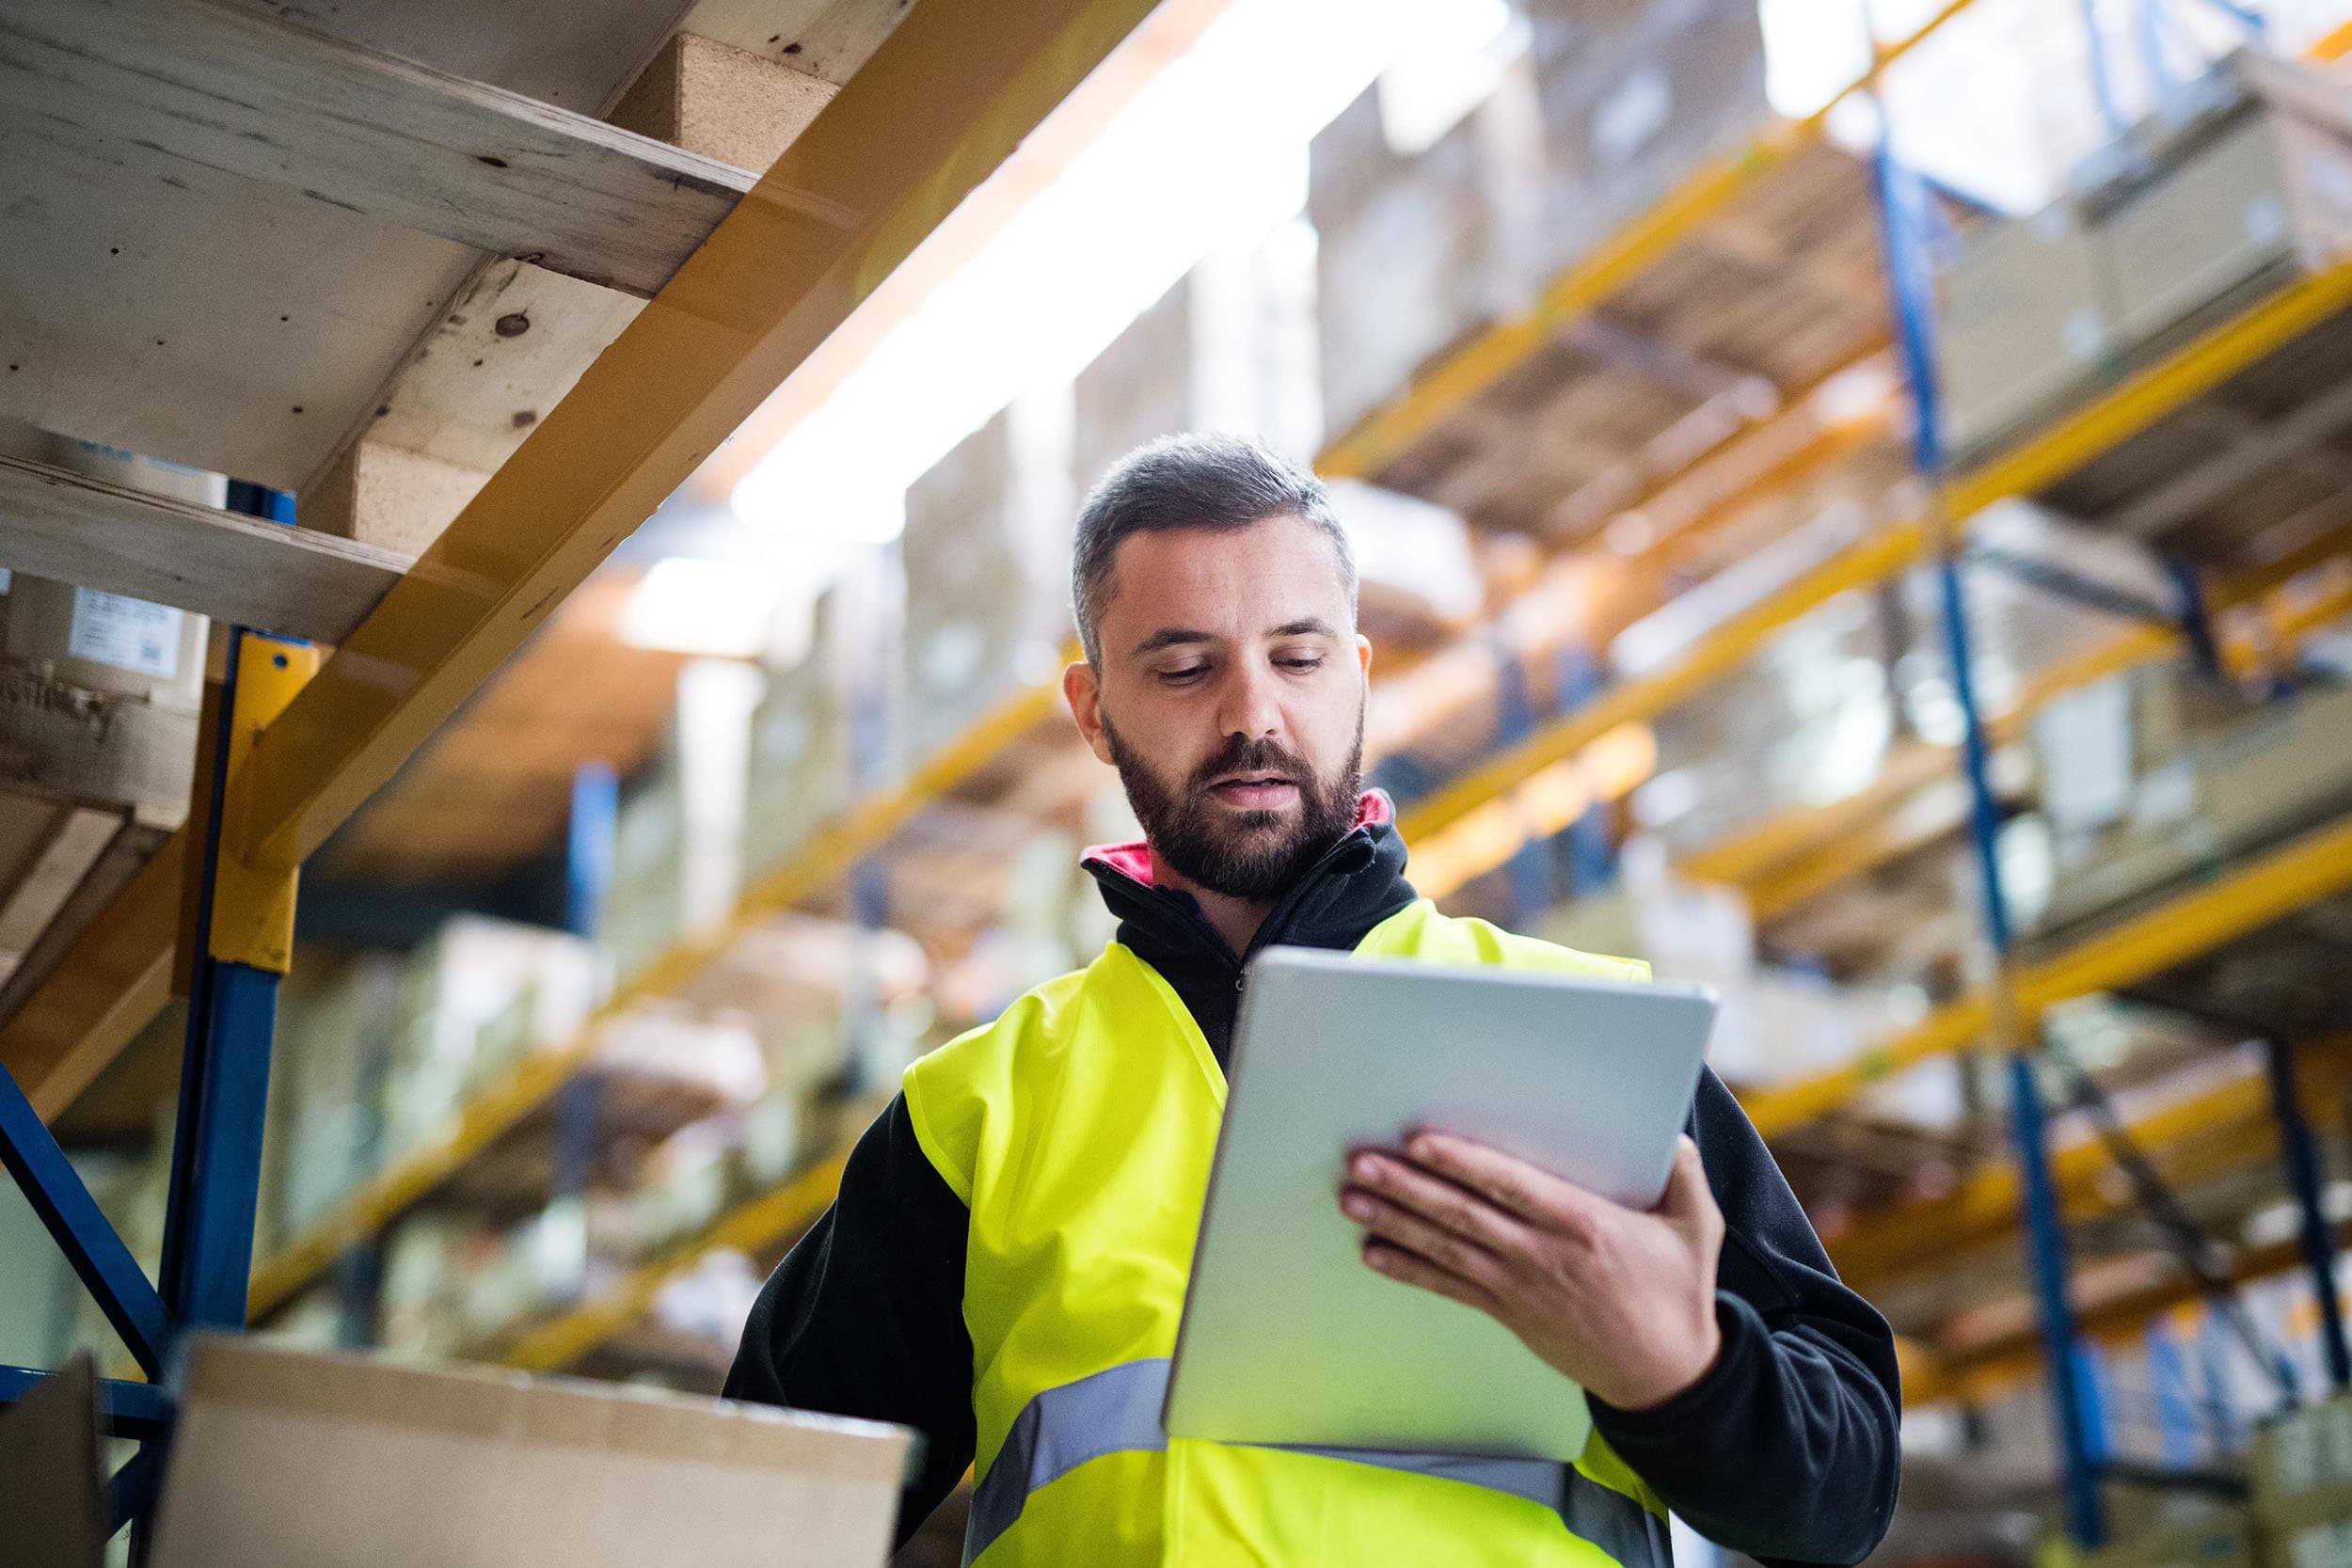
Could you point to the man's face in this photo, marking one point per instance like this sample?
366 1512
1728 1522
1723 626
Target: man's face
1231 699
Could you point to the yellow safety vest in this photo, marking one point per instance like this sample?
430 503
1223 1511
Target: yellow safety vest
1078 1128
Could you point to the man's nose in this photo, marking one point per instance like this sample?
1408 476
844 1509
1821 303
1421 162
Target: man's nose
1251 711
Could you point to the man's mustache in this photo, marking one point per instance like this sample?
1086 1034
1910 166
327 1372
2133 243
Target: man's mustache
1251 756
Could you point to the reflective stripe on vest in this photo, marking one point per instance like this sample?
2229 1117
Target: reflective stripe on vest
1117 1411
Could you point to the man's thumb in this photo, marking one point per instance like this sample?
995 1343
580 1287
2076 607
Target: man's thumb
1687 1199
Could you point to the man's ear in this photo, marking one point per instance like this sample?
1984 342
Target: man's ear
1084 694
1363 655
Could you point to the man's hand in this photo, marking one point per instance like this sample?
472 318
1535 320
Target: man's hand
1623 1301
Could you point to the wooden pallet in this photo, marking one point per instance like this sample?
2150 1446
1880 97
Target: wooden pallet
2240 474
1776 288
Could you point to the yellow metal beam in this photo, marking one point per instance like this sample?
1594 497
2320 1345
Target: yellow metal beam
1461 376
2270 887
1984 1371
2191 1140
2143 399
109 983
503 1106
1872 560
940 105
253 909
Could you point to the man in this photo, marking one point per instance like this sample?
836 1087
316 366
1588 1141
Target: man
1005 1266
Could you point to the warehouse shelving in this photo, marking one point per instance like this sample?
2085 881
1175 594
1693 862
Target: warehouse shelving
838 845
2117 415
440 631
2246 899
295 752
1461 376
281 1275
1982 1211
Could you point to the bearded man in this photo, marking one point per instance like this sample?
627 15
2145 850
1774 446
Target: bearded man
1005 1266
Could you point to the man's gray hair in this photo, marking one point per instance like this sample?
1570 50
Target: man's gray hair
1223 483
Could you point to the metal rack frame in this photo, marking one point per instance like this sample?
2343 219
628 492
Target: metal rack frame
2273 885
294 745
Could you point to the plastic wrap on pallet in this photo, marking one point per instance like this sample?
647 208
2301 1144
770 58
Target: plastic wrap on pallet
2193 775
987 559
2235 186
1416 252
797 774
1632 98
1230 347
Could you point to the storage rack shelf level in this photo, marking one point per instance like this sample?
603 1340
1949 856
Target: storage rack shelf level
284 1274
1868 562
2315 866
930 114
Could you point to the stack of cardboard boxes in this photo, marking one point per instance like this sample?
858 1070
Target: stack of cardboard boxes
987 557
1417 250
2235 185
2303 1487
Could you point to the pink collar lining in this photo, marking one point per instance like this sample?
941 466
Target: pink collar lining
1133 861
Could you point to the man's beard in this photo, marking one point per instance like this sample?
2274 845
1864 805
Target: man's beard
1250 855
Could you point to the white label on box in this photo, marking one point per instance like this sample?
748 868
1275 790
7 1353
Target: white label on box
2085 738
130 634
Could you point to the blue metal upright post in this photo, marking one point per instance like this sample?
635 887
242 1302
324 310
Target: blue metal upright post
224 1087
240 937
2300 1152
2073 1395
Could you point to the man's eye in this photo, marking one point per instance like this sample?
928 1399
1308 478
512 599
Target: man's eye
1178 677
1303 662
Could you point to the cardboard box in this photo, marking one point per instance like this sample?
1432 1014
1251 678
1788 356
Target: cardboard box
2252 184
287 1458
2304 1453
2238 184
2027 321
1230 347
2230 787
1633 98
987 556
50 1475
2226 1539
2312 1529
1415 252
798 761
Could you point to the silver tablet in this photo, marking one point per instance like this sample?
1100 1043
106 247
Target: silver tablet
1287 1336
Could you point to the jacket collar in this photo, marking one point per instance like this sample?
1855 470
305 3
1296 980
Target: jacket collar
1359 882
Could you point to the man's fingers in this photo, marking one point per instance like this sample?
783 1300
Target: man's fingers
1443 1203
1410 1268
1393 1222
1532 1194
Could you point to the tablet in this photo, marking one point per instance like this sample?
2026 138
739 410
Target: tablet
1288 1337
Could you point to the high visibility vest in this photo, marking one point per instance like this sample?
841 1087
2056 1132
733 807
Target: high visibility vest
1078 1129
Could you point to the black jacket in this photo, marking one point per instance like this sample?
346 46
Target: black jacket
1786 1450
